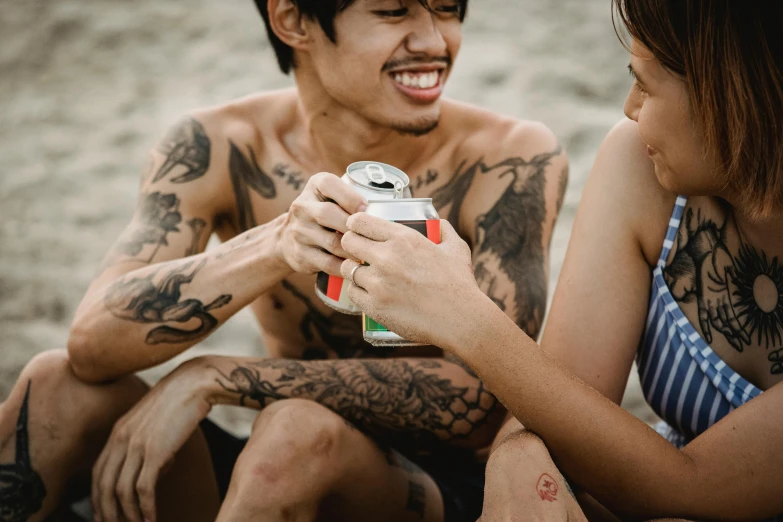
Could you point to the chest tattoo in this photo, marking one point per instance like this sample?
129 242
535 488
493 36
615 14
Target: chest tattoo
738 295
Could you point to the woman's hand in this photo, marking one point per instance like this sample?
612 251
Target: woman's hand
143 443
421 291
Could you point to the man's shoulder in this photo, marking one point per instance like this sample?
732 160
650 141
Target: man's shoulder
496 137
247 117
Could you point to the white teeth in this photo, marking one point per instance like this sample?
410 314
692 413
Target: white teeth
418 80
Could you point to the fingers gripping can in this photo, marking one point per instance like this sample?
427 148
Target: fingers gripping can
374 181
420 215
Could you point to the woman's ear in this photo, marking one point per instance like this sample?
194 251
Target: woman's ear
287 23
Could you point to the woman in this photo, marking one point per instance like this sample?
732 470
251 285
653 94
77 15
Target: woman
678 243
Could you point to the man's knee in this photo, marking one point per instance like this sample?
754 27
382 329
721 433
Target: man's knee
46 373
294 441
56 393
50 367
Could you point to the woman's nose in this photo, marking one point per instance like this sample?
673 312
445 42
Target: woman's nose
633 104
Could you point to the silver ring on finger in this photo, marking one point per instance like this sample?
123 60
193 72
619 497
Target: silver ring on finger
353 273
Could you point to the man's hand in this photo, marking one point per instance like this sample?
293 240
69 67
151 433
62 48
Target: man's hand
142 444
315 224
414 287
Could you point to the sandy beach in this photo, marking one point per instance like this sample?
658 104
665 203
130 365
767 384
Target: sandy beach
86 88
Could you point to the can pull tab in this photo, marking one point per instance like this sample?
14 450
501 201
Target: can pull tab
375 173
398 189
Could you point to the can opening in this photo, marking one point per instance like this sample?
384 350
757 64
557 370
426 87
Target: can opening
385 185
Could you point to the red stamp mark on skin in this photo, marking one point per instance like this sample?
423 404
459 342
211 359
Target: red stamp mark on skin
547 488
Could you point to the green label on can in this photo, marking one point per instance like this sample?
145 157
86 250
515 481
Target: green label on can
371 325
430 228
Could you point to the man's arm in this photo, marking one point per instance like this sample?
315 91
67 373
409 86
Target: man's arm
158 293
411 403
508 206
526 185
149 304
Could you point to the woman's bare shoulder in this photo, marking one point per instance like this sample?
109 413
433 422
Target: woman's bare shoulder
623 177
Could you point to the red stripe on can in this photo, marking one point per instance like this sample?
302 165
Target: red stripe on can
334 288
433 230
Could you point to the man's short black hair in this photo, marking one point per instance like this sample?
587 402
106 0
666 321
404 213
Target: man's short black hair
324 11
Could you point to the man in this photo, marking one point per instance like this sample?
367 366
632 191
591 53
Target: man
345 431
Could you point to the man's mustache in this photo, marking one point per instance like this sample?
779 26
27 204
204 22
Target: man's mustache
414 60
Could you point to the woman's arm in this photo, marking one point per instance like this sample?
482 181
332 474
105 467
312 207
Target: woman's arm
600 304
596 321
732 471
606 451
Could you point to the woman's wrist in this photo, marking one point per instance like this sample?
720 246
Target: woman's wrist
482 317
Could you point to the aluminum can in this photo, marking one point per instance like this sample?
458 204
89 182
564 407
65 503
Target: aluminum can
375 181
420 215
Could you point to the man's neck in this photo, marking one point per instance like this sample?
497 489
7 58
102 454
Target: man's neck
333 136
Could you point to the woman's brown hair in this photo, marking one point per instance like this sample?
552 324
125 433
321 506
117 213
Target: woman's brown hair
730 55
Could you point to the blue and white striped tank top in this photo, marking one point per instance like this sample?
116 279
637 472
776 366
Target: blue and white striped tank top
683 380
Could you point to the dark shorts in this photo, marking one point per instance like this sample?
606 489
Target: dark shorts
459 478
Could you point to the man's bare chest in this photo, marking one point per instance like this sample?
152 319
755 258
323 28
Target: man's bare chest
294 321
264 188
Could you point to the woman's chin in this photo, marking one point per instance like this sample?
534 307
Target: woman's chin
667 179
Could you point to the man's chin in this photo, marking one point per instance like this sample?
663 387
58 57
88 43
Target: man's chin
416 128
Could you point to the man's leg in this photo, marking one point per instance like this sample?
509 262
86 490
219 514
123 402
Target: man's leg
303 463
523 484
52 429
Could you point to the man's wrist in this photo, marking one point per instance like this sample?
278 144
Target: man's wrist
202 372
277 259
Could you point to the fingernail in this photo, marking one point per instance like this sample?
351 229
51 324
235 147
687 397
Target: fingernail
361 208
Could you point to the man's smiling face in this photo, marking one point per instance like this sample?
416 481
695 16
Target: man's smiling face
391 60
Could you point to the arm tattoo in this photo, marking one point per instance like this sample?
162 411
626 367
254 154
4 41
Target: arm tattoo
401 403
737 295
158 217
417 496
340 332
197 226
246 175
22 491
140 300
509 236
187 146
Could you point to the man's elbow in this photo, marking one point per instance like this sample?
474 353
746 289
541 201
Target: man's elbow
84 358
